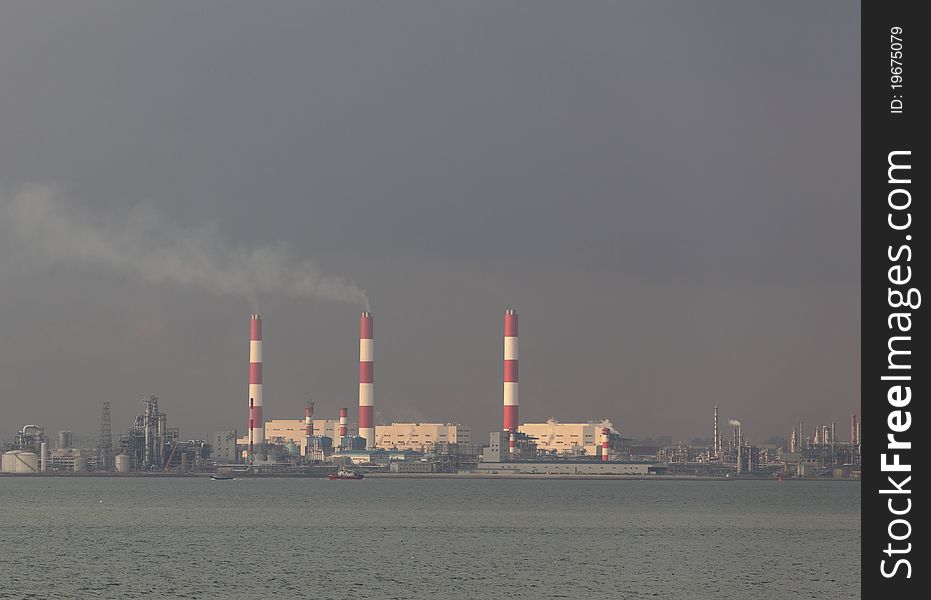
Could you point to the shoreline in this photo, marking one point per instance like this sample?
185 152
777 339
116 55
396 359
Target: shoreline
525 476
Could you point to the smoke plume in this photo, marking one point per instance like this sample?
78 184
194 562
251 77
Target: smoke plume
734 423
608 424
43 228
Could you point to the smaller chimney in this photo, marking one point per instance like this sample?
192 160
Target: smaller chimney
308 427
251 431
605 432
343 422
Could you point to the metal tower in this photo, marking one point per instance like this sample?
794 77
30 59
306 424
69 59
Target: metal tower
105 445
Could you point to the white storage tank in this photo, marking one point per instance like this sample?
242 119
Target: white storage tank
6 462
122 463
27 462
80 464
15 461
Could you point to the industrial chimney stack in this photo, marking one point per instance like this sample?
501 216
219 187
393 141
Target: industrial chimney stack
308 428
256 424
343 422
605 432
716 441
367 380
511 398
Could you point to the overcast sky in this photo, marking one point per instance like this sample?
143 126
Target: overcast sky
667 192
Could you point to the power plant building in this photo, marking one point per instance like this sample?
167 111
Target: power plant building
294 430
223 444
420 436
566 438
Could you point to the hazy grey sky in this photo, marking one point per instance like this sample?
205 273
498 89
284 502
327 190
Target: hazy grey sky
667 192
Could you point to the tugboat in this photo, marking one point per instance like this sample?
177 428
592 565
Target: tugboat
345 474
222 475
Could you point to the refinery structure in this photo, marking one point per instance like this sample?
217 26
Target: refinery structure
318 444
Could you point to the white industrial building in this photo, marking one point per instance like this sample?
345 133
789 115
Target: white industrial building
420 436
224 446
293 430
566 438
399 436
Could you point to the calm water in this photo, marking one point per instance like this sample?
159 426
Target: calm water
422 538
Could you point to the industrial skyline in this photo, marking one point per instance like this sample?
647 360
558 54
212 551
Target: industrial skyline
365 425
304 448
669 242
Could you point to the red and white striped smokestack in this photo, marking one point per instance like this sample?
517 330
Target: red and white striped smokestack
256 424
605 432
343 422
308 427
511 399
367 379
251 449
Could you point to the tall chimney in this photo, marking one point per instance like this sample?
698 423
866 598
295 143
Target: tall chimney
251 456
511 398
604 444
308 428
853 430
716 441
256 424
367 380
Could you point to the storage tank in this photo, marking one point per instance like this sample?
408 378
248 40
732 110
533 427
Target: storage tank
6 462
20 462
80 464
122 463
28 463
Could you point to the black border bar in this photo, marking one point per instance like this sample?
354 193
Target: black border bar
894 232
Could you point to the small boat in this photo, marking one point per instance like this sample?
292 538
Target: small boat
219 477
345 474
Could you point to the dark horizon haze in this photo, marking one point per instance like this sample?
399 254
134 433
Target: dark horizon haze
667 193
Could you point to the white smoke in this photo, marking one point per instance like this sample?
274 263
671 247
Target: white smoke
45 229
551 435
608 424
734 423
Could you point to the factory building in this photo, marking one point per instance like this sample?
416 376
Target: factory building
509 445
66 439
295 430
224 446
566 438
420 436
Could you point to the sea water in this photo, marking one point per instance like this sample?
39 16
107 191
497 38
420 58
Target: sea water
167 537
